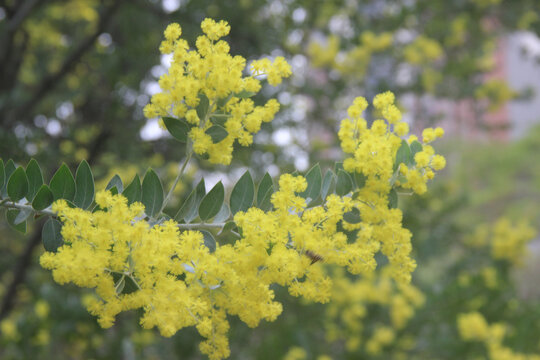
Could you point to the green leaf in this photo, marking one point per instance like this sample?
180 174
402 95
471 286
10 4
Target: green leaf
244 94
217 133
223 101
51 235
360 180
11 215
43 198
115 182
392 199
189 210
63 184
17 186
353 216
265 184
152 193
314 180
129 285
178 128
211 203
243 194
209 240
266 203
338 166
218 120
22 216
84 184
35 179
2 174
328 183
403 154
134 190
202 108
344 183
223 214
8 170
227 227
415 147
123 284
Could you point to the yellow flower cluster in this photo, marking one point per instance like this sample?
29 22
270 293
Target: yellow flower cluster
354 299
174 278
206 87
354 61
505 241
374 150
422 51
496 92
474 327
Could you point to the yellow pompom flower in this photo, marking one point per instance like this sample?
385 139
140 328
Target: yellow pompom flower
206 86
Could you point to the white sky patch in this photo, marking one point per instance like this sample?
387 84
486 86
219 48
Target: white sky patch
105 39
152 88
53 127
171 5
65 110
531 42
282 137
152 130
166 60
299 15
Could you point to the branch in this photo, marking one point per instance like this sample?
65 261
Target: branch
21 14
51 81
197 226
13 205
19 272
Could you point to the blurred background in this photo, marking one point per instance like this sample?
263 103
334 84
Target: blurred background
75 75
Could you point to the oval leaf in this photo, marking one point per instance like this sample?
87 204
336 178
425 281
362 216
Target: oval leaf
392 199
217 133
344 183
115 182
134 190
314 180
328 184
223 214
403 155
152 193
35 179
415 147
22 216
242 194
178 128
190 207
11 215
17 186
266 203
63 184
51 235
353 216
202 108
265 184
360 180
43 198
8 170
84 184
211 203
209 240
244 94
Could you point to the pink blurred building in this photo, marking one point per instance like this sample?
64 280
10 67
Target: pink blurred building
518 64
